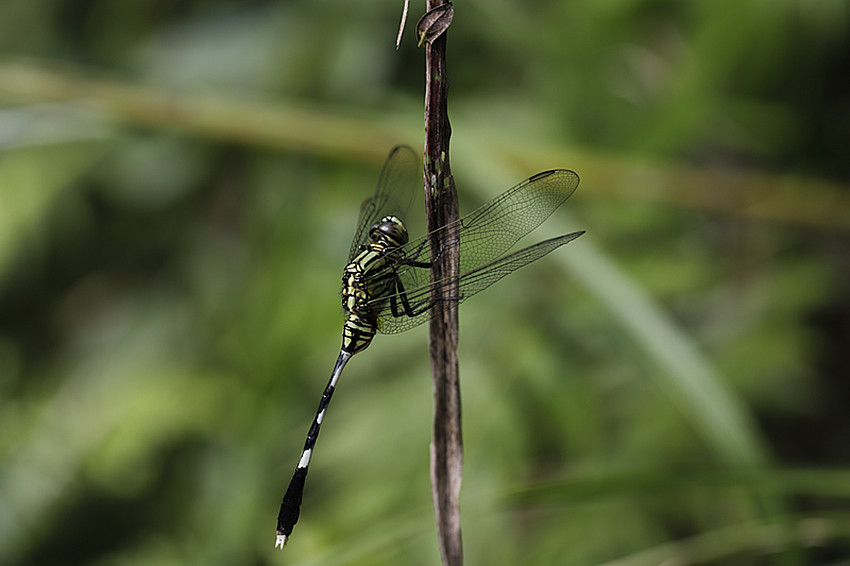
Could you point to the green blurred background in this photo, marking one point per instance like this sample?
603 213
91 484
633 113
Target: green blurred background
179 183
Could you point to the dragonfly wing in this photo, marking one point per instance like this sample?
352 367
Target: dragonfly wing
477 280
397 189
492 229
427 298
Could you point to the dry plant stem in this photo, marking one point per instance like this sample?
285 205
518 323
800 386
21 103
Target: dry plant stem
442 209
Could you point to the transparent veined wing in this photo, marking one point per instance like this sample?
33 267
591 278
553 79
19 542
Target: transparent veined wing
399 186
483 235
492 229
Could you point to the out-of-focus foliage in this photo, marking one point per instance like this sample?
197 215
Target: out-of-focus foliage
179 183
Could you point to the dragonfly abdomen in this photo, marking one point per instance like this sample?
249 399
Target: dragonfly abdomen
357 334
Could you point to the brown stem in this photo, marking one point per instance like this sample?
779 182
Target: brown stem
442 209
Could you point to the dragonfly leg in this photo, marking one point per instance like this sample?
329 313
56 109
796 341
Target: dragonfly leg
426 304
405 309
409 310
400 296
445 246
417 253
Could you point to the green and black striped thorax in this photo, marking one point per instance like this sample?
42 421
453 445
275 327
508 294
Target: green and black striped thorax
370 275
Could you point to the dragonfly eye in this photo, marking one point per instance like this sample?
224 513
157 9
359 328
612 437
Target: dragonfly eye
390 230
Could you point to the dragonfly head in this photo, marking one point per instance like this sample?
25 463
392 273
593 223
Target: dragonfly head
390 232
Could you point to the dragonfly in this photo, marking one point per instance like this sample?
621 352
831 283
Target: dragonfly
386 284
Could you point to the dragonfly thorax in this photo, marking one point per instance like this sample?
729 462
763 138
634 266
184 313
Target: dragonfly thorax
388 233
367 278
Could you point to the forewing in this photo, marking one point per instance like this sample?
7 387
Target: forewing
399 185
492 229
